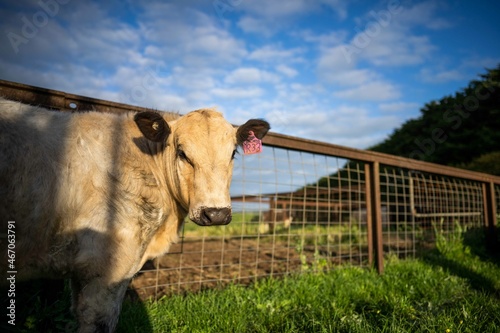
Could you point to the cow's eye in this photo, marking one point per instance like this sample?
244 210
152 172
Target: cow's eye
234 154
182 155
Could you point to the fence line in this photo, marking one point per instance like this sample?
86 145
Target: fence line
305 205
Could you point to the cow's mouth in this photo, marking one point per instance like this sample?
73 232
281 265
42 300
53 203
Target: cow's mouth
207 216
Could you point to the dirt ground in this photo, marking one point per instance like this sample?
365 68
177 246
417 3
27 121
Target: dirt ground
197 265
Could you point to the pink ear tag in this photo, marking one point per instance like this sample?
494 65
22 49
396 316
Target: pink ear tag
252 145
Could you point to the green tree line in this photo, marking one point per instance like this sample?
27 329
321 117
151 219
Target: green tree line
461 130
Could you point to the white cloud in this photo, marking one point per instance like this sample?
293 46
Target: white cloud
349 77
448 70
357 126
332 60
256 25
282 9
312 117
344 125
363 83
433 76
69 37
275 9
423 14
399 107
182 56
391 40
381 38
329 39
381 41
270 17
273 53
476 62
396 48
371 91
194 79
237 93
194 39
287 71
246 75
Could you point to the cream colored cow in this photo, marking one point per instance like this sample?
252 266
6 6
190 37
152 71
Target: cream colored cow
94 195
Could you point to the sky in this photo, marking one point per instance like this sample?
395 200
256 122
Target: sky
344 72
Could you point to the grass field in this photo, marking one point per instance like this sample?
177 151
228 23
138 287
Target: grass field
305 233
455 288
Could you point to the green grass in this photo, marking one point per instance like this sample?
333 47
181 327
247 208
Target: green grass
240 225
303 233
454 288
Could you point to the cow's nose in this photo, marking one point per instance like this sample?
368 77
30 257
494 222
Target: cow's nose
215 216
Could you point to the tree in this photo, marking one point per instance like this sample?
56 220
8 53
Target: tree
455 130
487 163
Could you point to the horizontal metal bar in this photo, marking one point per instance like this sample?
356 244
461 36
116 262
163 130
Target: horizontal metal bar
61 100
298 144
55 99
447 214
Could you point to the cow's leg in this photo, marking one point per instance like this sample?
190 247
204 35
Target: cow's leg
97 304
75 293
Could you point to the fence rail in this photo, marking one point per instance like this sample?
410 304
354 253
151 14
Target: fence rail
304 205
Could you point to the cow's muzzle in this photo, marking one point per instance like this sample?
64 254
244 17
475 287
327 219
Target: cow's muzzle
213 216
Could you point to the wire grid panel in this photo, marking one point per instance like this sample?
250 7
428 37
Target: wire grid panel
447 201
292 212
400 232
497 199
416 203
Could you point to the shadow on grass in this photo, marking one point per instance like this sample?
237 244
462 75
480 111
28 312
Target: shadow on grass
475 241
486 249
476 280
45 306
37 306
134 317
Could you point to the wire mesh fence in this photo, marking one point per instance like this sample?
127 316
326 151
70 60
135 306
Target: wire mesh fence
303 205
297 211
419 203
497 201
292 211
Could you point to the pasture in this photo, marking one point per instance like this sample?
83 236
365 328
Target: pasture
244 251
327 239
454 287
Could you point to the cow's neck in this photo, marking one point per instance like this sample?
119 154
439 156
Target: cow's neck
163 191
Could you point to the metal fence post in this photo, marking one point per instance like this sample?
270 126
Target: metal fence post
374 216
490 217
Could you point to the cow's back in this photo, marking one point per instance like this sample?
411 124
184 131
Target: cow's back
31 147
56 180
75 184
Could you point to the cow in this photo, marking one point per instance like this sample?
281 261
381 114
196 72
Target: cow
91 196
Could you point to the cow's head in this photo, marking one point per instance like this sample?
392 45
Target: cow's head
200 149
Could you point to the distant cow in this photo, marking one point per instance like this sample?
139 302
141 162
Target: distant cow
94 195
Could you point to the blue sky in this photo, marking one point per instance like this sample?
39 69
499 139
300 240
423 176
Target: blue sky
345 72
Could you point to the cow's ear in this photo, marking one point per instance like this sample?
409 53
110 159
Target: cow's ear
152 126
259 128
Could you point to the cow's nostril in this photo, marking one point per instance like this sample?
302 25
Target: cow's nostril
205 217
215 216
